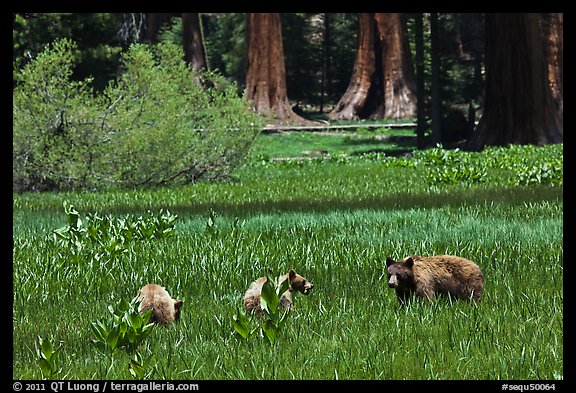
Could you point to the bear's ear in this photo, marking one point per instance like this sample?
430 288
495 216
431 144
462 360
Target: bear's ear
409 263
291 274
178 304
389 261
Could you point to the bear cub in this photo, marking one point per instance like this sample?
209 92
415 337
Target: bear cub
165 310
297 284
426 277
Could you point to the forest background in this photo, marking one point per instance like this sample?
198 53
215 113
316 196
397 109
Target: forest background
442 70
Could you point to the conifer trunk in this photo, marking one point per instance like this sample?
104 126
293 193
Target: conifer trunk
519 107
266 73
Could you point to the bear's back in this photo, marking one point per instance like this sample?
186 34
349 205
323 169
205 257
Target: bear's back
448 274
155 297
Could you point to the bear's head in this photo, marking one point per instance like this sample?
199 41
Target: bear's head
299 283
400 274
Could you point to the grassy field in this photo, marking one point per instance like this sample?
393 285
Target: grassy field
358 142
334 220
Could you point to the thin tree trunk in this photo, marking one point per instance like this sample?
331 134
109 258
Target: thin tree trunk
193 41
154 22
266 73
519 107
436 109
420 93
325 59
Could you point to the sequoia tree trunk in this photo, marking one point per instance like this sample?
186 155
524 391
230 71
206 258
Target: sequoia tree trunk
355 96
554 42
382 82
266 73
519 107
399 98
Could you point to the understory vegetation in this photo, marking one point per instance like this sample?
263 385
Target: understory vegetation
154 125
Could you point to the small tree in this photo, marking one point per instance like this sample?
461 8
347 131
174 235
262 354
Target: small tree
152 126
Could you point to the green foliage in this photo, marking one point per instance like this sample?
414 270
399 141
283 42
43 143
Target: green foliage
526 165
53 122
456 175
125 330
547 174
107 237
142 367
225 42
99 44
46 358
274 316
154 125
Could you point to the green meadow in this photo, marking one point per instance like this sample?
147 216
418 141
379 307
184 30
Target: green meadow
334 219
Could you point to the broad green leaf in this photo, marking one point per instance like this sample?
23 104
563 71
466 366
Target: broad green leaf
268 298
45 367
283 287
123 329
270 330
146 317
241 326
135 321
112 339
100 331
149 360
47 349
123 306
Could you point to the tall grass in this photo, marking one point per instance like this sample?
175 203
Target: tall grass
351 326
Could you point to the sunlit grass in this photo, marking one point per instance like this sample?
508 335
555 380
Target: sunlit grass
335 224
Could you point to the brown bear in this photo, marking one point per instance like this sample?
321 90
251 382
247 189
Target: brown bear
297 283
435 275
165 310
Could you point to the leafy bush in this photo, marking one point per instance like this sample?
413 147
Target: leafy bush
126 329
47 356
55 120
154 125
456 175
107 237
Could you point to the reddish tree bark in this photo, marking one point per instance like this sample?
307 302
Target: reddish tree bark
519 107
554 42
399 101
266 73
354 98
382 82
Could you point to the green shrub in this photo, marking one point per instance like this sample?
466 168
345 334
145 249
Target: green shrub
108 237
126 329
154 125
46 358
55 122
